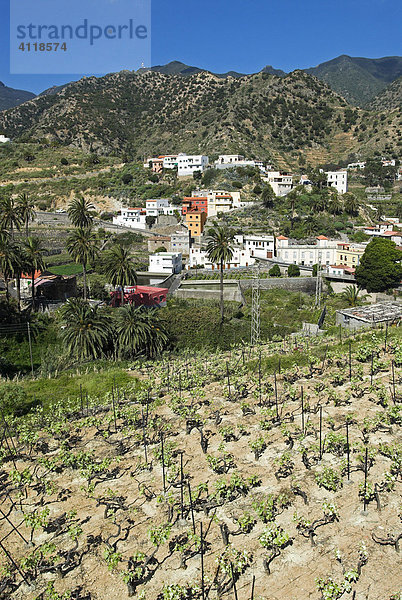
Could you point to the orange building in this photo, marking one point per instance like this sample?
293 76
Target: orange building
195 220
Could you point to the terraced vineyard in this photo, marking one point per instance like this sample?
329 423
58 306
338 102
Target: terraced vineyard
268 473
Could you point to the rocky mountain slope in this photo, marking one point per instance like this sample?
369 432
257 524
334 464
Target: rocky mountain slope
358 80
390 98
9 97
260 115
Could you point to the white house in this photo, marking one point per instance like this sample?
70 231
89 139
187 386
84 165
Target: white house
280 181
188 164
229 159
4 139
260 246
324 251
241 258
160 206
131 217
165 262
356 166
170 161
340 270
180 241
338 180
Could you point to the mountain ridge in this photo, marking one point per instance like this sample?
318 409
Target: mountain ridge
359 80
10 97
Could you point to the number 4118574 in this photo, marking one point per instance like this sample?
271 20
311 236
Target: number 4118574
42 46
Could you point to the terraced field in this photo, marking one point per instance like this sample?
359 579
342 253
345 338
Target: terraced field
269 473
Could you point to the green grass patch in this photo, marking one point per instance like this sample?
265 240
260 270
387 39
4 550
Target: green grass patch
67 385
70 269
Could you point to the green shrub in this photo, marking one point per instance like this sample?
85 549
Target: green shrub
293 271
14 401
275 271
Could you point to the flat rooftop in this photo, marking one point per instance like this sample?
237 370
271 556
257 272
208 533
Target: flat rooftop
376 313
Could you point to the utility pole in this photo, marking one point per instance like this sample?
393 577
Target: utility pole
318 286
255 310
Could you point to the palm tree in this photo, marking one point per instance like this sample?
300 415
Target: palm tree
82 245
335 203
10 217
138 330
26 210
85 329
119 267
351 203
33 258
267 196
80 212
220 250
320 201
351 295
7 261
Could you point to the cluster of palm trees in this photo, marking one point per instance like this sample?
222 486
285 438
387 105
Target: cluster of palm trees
22 256
84 247
91 332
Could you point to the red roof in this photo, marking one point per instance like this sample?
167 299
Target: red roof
343 267
29 275
282 237
392 233
322 237
144 289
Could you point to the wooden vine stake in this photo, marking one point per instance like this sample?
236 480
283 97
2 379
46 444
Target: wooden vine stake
302 409
82 401
144 436
252 588
386 338
348 449
276 396
181 487
163 464
320 432
371 369
228 378
365 479
202 564
234 582
350 361
393 382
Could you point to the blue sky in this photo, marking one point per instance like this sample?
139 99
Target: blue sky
221 35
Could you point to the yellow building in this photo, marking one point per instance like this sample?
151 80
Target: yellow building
195 220
349 254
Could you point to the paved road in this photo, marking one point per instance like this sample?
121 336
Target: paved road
175 284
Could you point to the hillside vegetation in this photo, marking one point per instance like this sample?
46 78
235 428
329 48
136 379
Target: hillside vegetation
258 115
357 79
